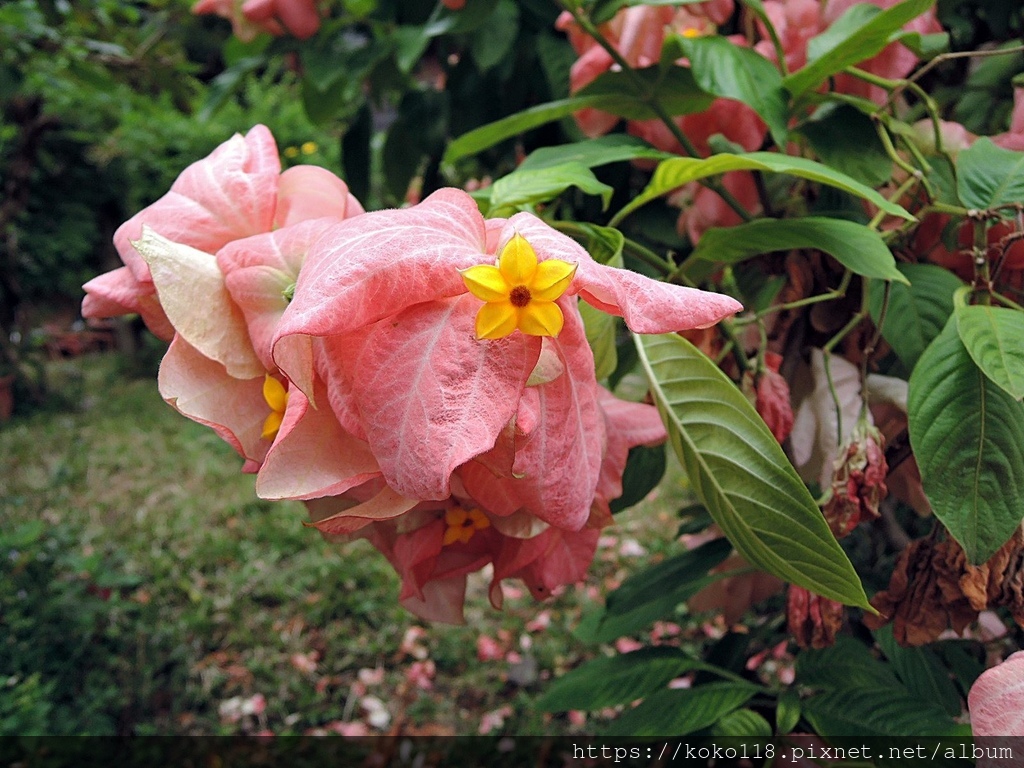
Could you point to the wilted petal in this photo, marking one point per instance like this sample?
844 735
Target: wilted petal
429 394
310 192
118 293
192 292
313 456
230 194
996 700
375 265
647 306
201 389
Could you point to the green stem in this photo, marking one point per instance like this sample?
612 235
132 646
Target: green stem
641 252
894 198
982 278
837 293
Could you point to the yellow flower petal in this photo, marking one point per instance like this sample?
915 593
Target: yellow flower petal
479 519
541 318
451 535
551 279
272 424
486 282
275 394
518 261
455 516
496 320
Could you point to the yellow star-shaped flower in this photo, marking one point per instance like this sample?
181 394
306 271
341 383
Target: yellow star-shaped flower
277 398
462 524
520 292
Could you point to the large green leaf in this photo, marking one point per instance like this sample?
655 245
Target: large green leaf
968 438
917 313
672 174
630 94
607 682
644 469
994 337
743 723
725 69
848 662
614 92
921 672
531 186
740 473
613 148
875 711
988 175
858 34
844 138
654 592
855 246
679 712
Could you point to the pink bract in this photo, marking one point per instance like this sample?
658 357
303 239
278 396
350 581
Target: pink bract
996 700
391 325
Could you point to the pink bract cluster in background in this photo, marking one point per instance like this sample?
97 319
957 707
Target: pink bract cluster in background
639 32
338 353
298 18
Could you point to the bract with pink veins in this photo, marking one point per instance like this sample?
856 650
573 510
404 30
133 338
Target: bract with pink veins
996 700
397 349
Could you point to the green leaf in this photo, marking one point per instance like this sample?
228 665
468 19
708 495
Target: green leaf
654 592
858 34
917 313
921 672
493 41
875 711
607 682
613 148
600 330
672 174
740 473
988 175
994 337
644 469
724 69
618 92
683 711
845 139
488 135
531 186
968 437
605 245
847 663
787 711
855 246
226 83
743 723
613 92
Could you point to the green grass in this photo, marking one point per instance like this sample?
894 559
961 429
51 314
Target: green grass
147 585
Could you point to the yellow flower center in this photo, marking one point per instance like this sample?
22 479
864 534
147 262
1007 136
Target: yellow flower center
276 396
520 292
462 524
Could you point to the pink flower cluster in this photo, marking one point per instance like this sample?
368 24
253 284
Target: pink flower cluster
638 33
299 18
335 350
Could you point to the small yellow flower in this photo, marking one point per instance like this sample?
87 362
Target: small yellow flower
463 524
309 147
291 152
520 292
277 398
692 32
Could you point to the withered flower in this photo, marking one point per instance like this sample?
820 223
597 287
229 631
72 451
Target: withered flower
813 620
858 481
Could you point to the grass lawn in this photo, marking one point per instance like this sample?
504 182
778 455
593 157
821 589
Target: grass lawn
145 589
